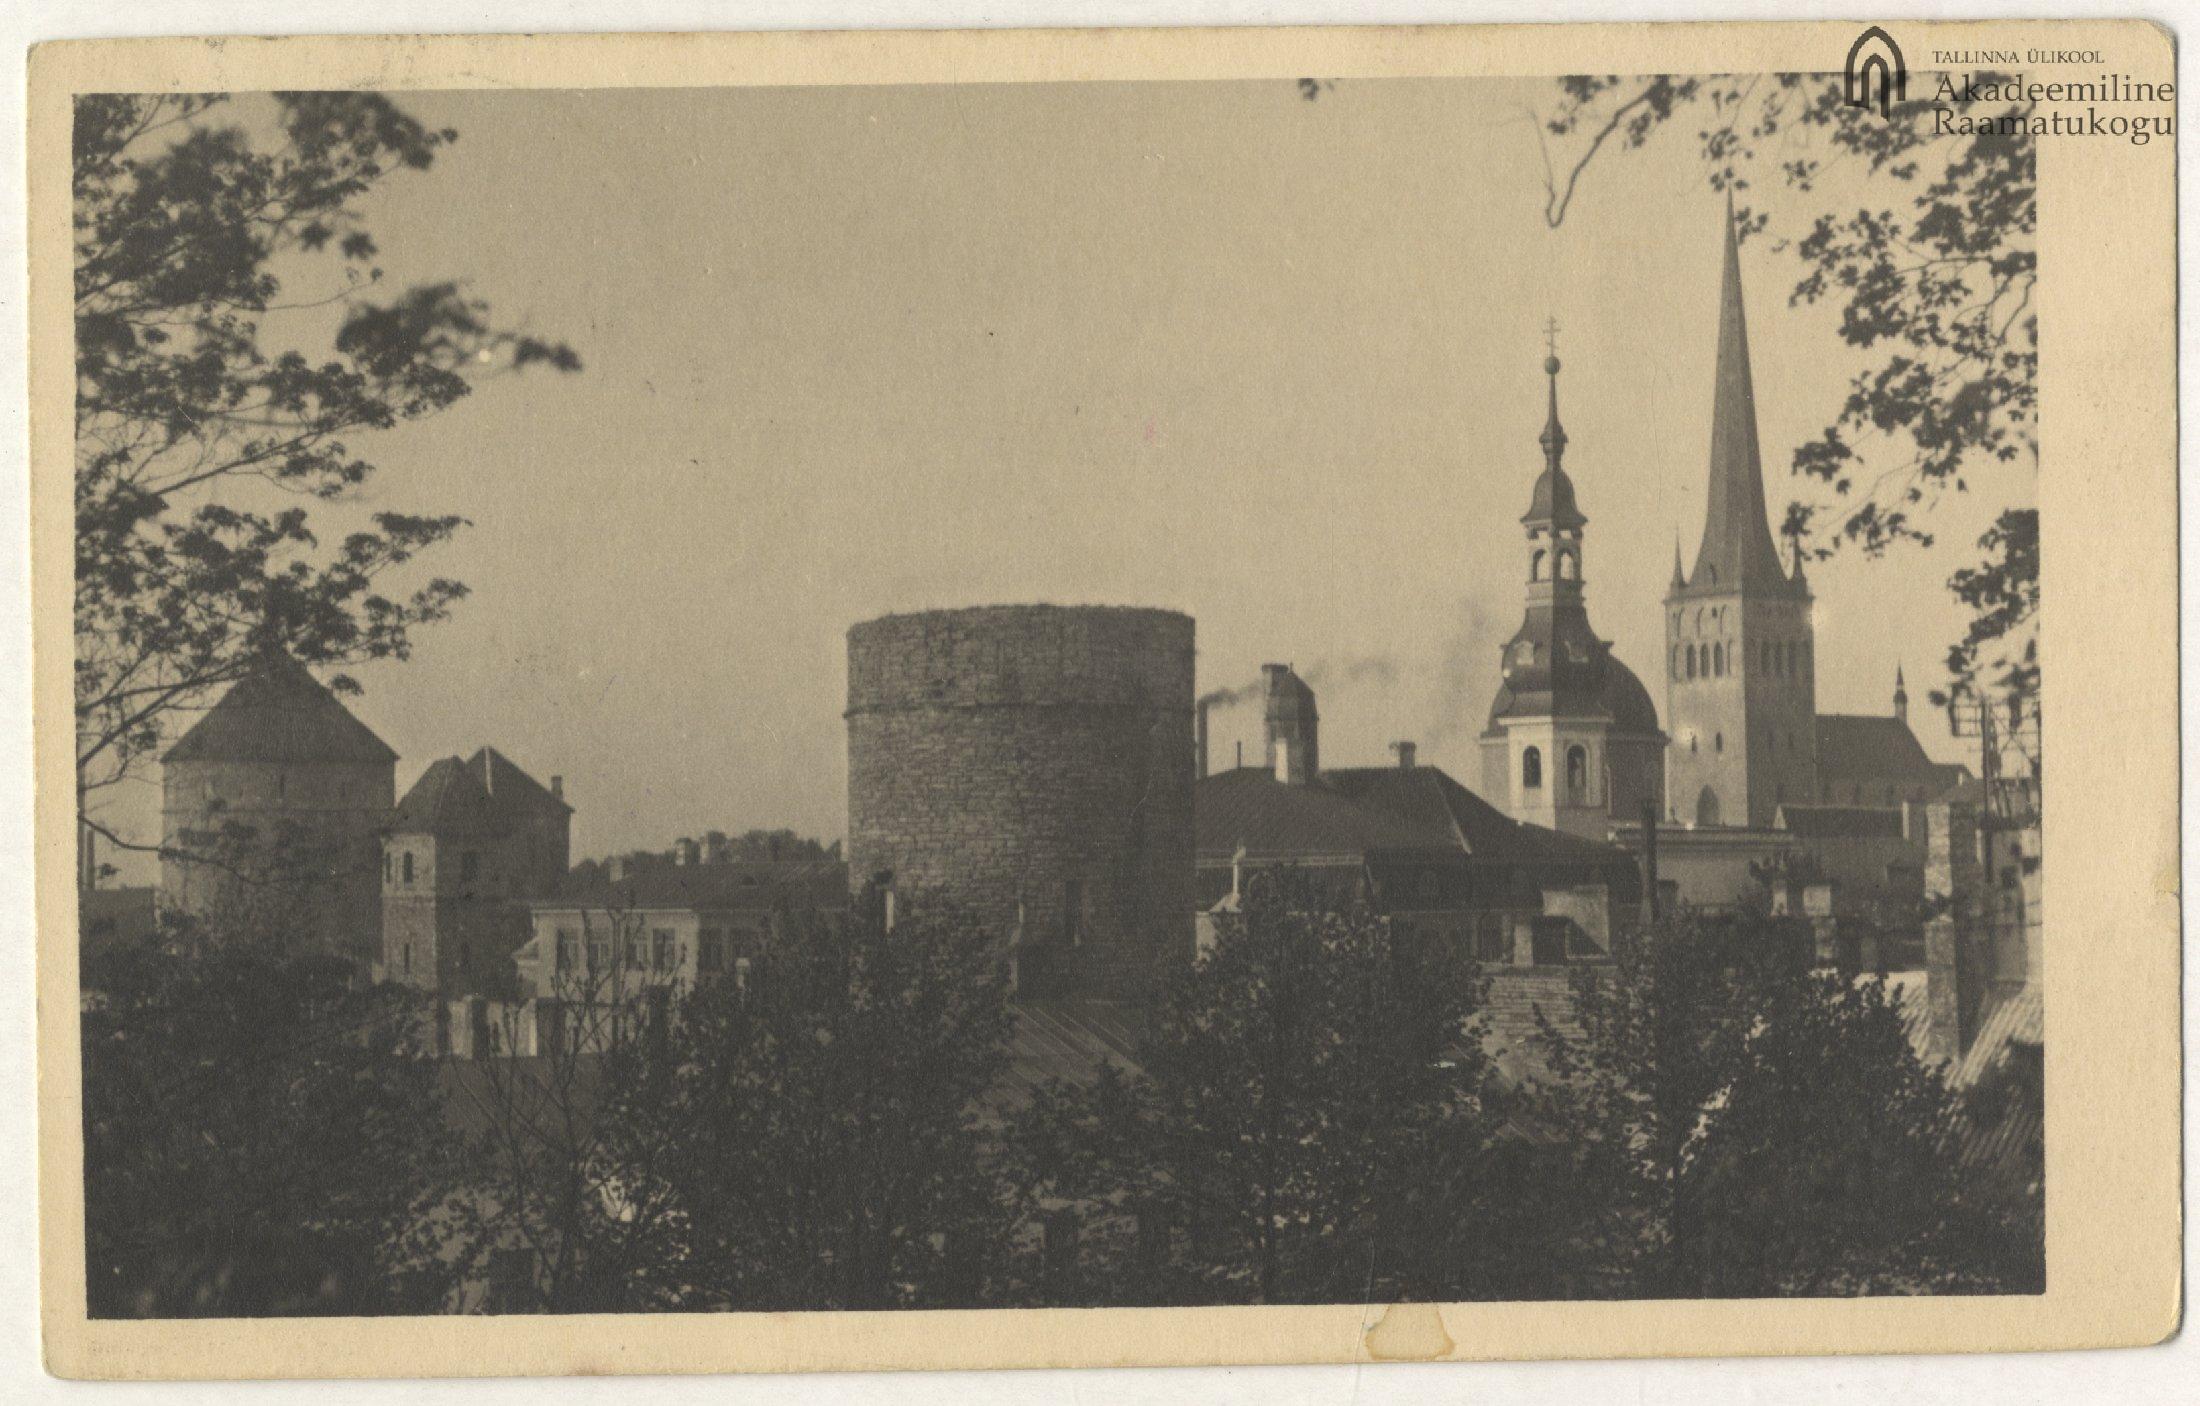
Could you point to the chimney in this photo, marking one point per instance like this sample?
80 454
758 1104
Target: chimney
1294 727
1406 752
683 851
557 787
1199 739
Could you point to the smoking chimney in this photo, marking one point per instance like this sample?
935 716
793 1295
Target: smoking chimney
1405 751
1199 740
1294 727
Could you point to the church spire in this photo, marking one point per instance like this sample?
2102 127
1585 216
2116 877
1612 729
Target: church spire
1737 543
1553 505
1901 696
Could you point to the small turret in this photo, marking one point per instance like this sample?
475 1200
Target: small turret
1901 696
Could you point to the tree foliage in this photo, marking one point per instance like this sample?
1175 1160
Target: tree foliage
1308 1124
205 425
1936 284
808 1131
1756 1126
260 1136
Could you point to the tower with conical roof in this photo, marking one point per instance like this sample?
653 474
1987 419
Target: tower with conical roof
1573 741
1740 692
272 808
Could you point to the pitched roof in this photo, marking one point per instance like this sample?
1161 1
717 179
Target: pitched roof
1248 807
1358 811
1862 747
1841 822
280 713
447 797
510 788
746 887
1737 545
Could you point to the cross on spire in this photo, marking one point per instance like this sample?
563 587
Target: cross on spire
1550 335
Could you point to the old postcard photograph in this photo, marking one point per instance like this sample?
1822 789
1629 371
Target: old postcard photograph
844 701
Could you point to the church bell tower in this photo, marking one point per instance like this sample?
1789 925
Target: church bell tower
1740 687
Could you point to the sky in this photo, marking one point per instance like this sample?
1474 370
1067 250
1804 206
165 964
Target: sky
1273 362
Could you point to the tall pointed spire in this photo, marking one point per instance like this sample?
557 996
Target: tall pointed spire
1679 579
1737 542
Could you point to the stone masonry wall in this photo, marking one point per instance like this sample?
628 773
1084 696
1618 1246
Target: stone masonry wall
1033 763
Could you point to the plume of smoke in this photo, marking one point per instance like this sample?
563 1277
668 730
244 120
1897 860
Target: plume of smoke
1369 670
1463 682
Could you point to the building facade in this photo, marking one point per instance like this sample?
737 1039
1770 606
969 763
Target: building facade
1417 846
1573 742
272 809
1032 764
470 844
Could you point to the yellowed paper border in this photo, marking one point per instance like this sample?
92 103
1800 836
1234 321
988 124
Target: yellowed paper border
2108 512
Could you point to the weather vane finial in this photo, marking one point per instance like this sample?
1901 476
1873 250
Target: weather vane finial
1550 335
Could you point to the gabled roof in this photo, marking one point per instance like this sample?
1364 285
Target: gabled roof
483 792
509 788
280 713
1859 747
1354 812
446 798
1840 822
1248 807
747 887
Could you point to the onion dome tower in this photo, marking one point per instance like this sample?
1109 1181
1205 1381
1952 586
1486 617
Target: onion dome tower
1573 741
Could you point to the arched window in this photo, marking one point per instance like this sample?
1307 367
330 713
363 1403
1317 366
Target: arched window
407 867
1577 774
1707 807
1535 567
1718 660
1531 769
1691 660
1567 570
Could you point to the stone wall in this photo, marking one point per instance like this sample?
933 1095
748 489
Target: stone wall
312 864
1034 764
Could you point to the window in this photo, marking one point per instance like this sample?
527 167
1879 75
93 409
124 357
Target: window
465 956
1718 660
1531 769
710 950
569 950
1073 910
1490 942
1577 774
1718 742
1535 567
1567 570
469 867
408 867
389 867
1691 661
406 957
740 973
637 952
666 951
1707 807
599 953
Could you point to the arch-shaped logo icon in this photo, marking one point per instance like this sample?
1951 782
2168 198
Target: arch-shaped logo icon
1875 52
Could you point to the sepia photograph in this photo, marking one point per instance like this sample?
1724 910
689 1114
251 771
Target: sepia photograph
1249 691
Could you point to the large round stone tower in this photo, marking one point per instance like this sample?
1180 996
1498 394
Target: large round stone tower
1033 764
